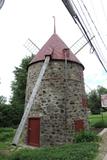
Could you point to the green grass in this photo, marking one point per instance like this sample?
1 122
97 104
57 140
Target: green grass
80 151
6 135
99 120
3 158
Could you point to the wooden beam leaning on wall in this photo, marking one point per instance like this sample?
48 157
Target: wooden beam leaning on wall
31 99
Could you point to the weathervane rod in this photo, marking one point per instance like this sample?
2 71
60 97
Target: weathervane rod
54 25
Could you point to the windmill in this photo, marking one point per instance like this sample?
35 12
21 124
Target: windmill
31 46
54 50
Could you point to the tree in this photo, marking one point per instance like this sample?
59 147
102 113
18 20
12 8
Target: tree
94 102
10 114
18 89
5 113
94 99
2 100
101 90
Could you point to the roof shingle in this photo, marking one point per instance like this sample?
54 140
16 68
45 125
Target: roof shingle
58 47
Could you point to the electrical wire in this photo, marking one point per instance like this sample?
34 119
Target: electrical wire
103 9
81 20
85 17
87 21
81 26
101 55
98 22
93 24
97 53
91 2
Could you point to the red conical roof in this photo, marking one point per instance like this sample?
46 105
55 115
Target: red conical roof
57 48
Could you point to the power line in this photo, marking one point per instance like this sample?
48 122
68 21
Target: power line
95 15
81 20
85 17
99 51
103 9
75 17
96 52
93 24
101 55
96 18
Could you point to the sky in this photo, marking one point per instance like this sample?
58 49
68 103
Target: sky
20 20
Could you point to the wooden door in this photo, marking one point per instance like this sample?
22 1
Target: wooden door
34 131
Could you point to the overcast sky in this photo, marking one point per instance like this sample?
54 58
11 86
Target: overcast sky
23 19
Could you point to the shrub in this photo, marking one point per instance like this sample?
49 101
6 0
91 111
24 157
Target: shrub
86 136
100 124
6 134
3 158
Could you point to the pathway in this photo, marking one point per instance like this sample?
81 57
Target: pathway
103 146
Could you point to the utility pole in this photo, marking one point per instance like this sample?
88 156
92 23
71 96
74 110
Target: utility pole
1 3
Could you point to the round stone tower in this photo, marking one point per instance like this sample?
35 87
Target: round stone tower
59 109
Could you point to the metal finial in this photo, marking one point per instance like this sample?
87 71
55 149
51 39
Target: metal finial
54 25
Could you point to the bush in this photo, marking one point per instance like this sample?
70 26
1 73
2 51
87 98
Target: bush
100 124
7 114
6 134
3 158
86 136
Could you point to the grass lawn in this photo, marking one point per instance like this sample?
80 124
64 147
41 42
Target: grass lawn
78 151
99 120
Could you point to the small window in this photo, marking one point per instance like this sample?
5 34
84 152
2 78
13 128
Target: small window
79 125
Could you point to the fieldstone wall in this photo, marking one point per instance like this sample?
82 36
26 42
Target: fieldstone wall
59 100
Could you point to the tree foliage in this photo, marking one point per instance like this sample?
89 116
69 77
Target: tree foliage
5 113
18 89
94 102
10 114
94 99
2 100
